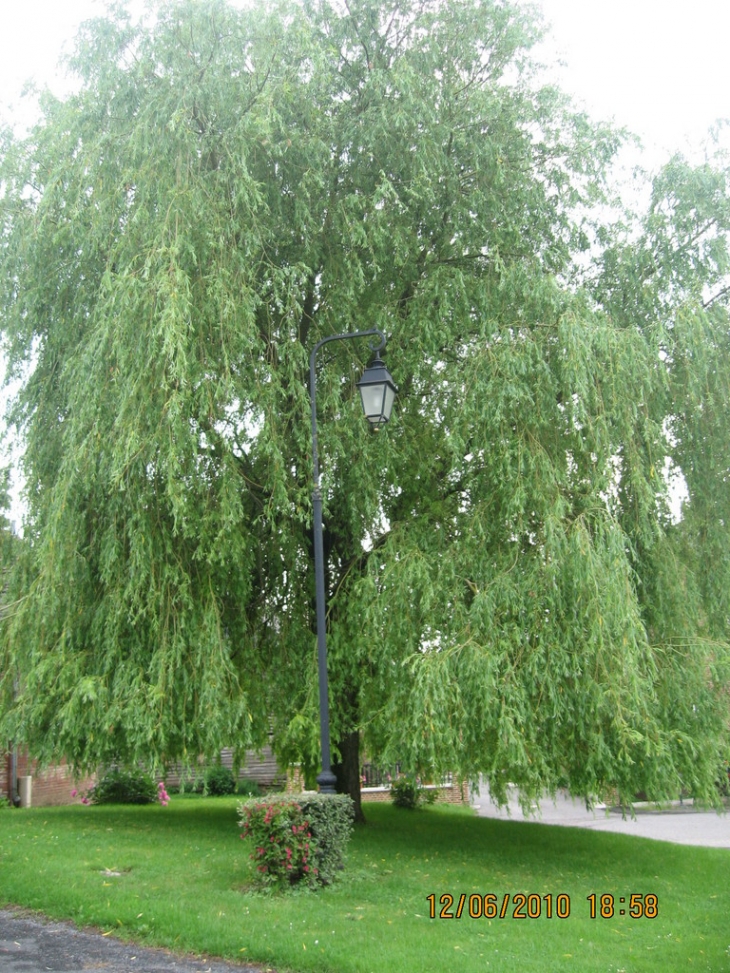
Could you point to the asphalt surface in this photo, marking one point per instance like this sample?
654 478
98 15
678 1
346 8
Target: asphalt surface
678 823
32 944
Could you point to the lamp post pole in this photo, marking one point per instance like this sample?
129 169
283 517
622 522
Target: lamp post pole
326 779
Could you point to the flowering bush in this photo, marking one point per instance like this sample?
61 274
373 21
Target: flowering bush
282 842
299 839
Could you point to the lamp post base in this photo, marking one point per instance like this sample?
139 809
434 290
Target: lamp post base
326 780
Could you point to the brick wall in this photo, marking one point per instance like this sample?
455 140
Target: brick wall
262 768
455 793
51 786
5 771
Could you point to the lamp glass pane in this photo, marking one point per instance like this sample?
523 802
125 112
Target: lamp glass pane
388 403
372 401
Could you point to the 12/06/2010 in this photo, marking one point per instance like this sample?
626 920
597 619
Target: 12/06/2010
520 905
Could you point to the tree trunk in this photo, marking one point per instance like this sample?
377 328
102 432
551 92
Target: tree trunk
347 771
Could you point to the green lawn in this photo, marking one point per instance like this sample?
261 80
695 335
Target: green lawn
184 874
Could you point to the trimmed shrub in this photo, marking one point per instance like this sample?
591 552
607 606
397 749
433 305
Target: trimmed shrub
219 781
124 787
298 838
331 818
406 791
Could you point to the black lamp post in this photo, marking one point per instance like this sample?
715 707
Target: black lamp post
377 391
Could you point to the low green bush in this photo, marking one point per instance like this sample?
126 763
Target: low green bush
219 781
124 787
298 839
407 791
248 788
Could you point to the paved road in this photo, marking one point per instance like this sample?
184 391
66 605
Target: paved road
680 824
34 945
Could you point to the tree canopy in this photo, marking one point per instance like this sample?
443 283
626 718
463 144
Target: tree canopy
508 591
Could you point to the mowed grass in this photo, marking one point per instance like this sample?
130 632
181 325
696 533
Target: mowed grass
184 884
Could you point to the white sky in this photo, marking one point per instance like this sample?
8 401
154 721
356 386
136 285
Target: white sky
660 67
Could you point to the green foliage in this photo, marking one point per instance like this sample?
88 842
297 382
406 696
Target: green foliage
404 792
407 791
219 781
5 802
283 847
124 787
330 821
508 593
298 839
248 788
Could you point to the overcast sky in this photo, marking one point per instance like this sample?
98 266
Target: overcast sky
659 67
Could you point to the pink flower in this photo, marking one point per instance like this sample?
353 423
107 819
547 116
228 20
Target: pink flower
74 792
84 800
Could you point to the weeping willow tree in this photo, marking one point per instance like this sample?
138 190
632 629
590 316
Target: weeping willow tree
508 592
